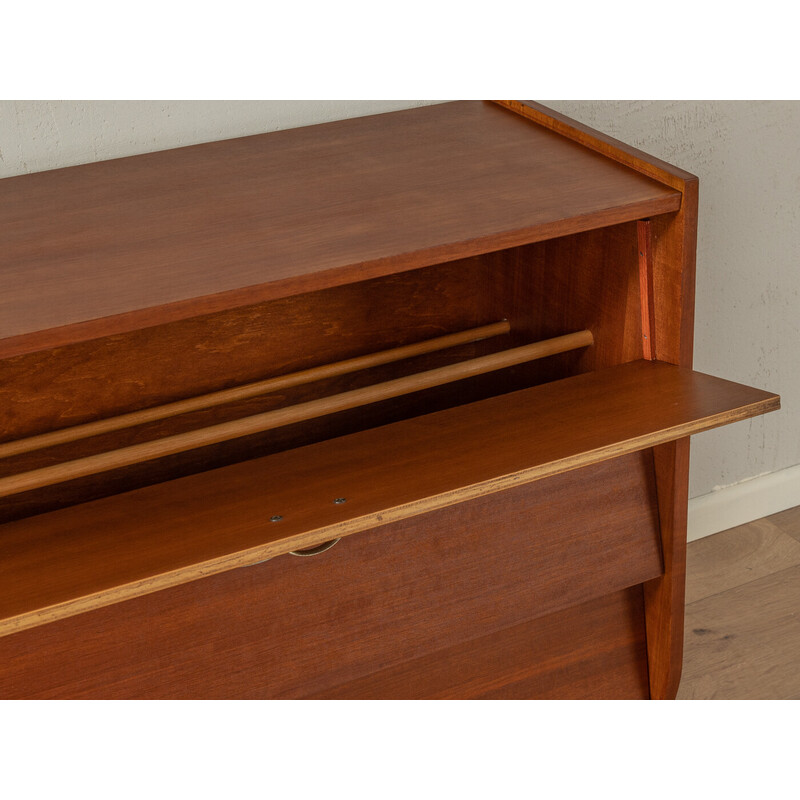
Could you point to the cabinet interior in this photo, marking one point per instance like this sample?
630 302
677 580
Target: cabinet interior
586 281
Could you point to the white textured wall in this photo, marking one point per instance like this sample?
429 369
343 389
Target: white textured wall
46 134
747 155
747 325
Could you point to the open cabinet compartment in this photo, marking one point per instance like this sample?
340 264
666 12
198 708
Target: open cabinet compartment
538 506
586 281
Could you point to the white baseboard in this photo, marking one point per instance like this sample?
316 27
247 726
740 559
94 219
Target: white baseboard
743 502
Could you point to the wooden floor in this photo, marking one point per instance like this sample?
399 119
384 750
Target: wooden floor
743 612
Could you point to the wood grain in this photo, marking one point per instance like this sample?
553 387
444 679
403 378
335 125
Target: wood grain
214 352
674 236
788 521
646 293
737 556
589 281
673 240
210 266
593 651
664 596
288 415
120 245
249 390
428 463
744 643
720 569
91 380
600 142
296 626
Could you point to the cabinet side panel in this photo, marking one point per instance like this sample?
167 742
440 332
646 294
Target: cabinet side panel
586 281
674 256
665 595
674 239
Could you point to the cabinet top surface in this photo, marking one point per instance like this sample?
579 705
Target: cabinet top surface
167 235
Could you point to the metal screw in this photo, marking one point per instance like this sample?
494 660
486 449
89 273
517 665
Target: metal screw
340 500
275 518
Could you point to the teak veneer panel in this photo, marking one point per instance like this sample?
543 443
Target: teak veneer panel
93 380
101 552
277 418
103 377
566 284
592 651
295 626
119 245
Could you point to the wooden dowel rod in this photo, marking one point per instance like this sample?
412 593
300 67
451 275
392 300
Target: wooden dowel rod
276 384
169 445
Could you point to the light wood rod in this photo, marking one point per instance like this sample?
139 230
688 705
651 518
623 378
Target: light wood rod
276 384
169 445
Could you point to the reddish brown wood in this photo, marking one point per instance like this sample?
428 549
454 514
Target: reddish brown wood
295 626
396 471
674 236
116 458
230 262
121 245
594 651
102 378
609 147
255 389
664 596
646 294
590 280
673 239
674 244
250 447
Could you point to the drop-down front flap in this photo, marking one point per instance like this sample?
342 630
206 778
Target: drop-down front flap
64 562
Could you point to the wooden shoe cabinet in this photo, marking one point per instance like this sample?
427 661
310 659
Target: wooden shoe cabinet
390 407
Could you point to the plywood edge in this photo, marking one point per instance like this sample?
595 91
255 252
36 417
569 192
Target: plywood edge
310 538
614 149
